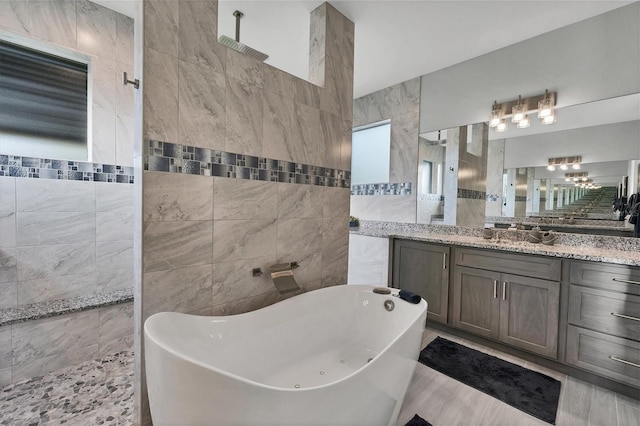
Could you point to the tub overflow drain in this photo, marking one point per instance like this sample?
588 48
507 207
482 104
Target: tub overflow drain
342 361
322 373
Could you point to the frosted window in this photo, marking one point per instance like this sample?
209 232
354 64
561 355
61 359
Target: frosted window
370 153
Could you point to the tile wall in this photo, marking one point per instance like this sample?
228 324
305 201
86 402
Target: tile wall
494 178
400 104
202 232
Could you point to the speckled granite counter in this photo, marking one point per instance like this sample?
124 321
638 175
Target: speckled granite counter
595 248
53 308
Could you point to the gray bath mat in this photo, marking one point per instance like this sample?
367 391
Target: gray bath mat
529 391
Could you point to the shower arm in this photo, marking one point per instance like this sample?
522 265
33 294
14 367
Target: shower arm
238 16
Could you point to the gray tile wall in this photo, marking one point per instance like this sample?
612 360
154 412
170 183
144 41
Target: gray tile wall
400 104
202 235
34 348
107 38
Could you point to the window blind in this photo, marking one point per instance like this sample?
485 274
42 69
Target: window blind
42 95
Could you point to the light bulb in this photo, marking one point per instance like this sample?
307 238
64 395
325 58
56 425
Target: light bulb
502 126
524 123
550 167
549 119
576 166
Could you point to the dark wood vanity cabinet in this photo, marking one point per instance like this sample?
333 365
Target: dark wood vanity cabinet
423 269
521 311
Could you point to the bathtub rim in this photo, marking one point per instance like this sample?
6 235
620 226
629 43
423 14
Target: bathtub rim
188 358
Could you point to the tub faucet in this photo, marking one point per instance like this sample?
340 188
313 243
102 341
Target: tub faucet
282 276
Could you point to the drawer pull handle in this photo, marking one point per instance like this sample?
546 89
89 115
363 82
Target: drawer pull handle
504 290
624 362
625 281
495 289
624 316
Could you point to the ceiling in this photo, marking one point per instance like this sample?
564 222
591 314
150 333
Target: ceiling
396 40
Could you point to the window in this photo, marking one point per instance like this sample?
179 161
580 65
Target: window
370 153
43 103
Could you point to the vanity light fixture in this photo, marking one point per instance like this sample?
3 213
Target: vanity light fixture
564 162
576 176
520 111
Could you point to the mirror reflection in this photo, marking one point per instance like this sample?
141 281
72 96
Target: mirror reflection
526 183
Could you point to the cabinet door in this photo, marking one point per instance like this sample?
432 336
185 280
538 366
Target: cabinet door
423 269
529 314
476 303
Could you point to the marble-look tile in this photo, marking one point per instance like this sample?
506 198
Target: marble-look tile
307 132
335 249
345 146
244 68
8 194
51 288
39 366
317 44
15 16
117 345
115 321
161 26
172 245
46 195
278 81
245 305
124 94
45 228
103 72
368 260
234 281
104 137
336 202
278 127
36 340
124 39
8 265
160 95
54 20
172 196
628 410
366 207
162 293
244 118
55 260
404 147
113 198
7 229
197 35
202 106
8 295
306 93
397 208
114 226
124 140
96 29
114 279
329 150
5 347
244 199
300 240
243 239
331 96
114 255
300 201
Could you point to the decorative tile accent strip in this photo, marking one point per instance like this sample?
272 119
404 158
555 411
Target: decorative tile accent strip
521 198
44 168
403 188
176 158
430 197
471 194
493 197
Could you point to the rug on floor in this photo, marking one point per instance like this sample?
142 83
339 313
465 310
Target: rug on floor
529 391
418 421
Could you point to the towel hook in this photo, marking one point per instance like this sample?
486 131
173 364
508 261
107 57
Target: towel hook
125 80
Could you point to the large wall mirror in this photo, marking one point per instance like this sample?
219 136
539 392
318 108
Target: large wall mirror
519 186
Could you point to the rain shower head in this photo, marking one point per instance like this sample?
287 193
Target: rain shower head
236 45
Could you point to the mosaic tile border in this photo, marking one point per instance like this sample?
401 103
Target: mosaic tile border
521 198
45 168
402 188
493 197
472 194
430 197
177 158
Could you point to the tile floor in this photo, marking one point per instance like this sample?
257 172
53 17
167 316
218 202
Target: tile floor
444 401
100 393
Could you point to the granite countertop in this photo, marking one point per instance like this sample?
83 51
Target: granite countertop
595 248
556 223
57 307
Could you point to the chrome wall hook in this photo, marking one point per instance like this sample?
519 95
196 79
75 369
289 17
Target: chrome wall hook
125 80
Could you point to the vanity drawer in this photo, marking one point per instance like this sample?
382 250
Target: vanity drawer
605 311
518 264
622 278
609 356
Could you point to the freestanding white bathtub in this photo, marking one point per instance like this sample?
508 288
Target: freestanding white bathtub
333 356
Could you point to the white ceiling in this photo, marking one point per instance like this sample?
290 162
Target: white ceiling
396 40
